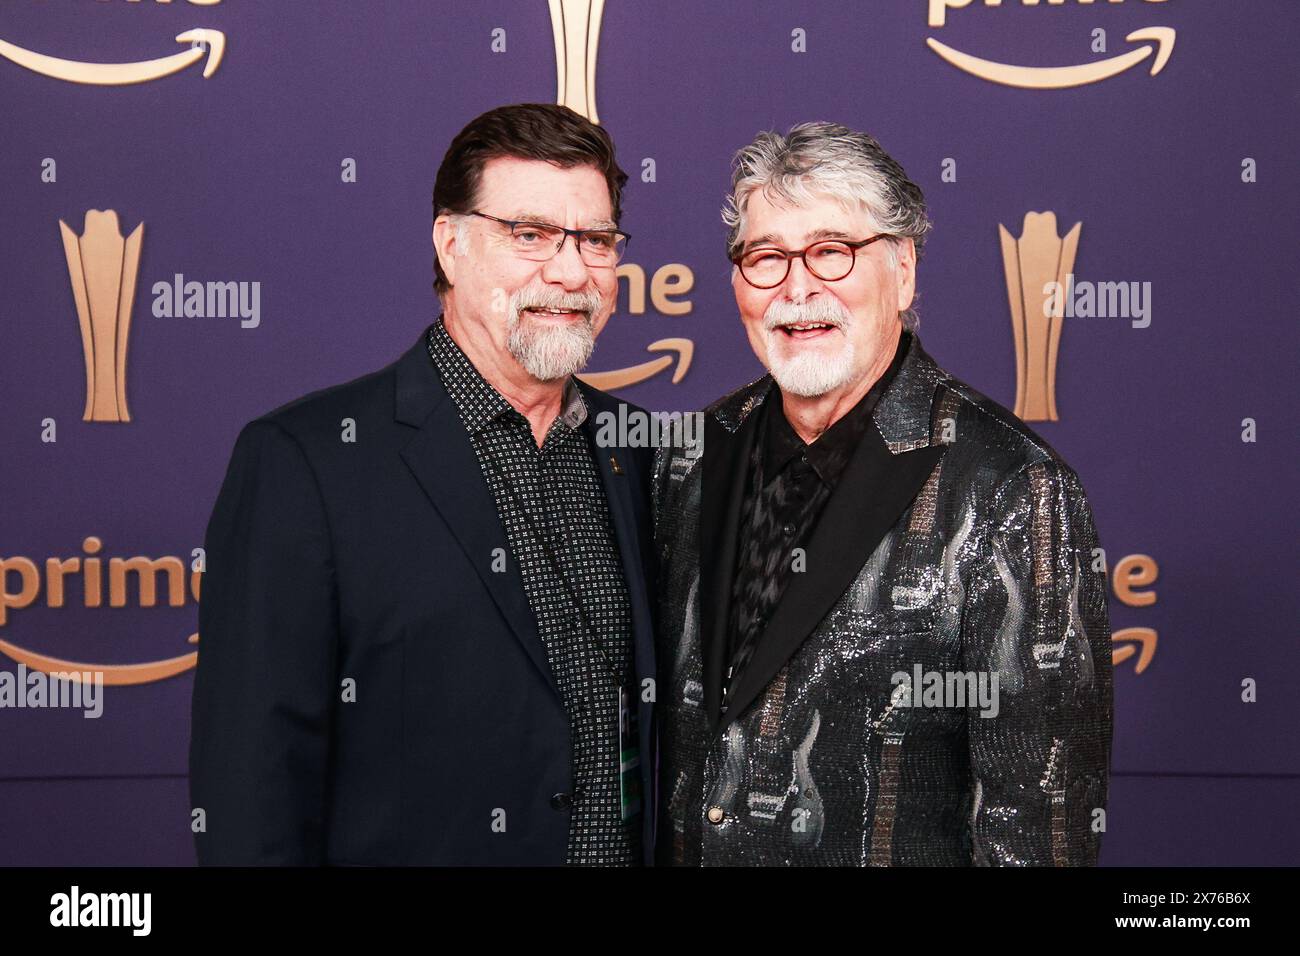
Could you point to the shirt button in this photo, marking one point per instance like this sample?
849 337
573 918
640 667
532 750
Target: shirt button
716 814
561 801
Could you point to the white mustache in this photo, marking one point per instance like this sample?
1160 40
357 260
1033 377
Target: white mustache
782 313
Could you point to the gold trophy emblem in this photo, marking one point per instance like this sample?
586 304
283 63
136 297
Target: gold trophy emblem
576 26
1037 258
103 268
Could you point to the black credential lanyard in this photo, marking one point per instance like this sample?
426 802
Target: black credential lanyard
570 591
628 754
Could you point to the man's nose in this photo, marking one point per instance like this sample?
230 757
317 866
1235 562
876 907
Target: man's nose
566 266
800 283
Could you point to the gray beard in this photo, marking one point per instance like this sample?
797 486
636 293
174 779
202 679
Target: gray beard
549 353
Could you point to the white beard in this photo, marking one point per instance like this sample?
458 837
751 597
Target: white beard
811 375
807 373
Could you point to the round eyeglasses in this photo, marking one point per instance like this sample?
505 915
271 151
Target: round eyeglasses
540 241
829 260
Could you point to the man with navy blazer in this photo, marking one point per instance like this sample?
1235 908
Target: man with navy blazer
426 636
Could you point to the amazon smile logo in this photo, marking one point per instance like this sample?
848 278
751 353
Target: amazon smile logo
205 45
1157 44
22 584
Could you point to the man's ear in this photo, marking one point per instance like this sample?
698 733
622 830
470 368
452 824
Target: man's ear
905 255
445 246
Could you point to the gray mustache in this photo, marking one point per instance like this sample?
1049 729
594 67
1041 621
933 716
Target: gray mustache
576 302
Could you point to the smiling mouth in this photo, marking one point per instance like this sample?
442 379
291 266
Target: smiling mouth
557 313
801 331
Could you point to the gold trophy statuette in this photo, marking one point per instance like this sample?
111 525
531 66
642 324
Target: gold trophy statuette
103 268
576 26
1038 257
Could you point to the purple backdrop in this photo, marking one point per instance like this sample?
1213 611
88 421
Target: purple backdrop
237 178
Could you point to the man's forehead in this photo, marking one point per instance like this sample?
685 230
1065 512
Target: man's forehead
536 190
817 217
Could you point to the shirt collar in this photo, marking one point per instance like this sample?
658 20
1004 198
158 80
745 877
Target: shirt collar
476 400
830 453
573 406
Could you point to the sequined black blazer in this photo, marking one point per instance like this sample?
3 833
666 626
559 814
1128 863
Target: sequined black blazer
957 544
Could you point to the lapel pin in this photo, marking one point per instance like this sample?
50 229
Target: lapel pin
615 466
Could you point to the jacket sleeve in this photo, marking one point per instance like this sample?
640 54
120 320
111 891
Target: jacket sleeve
1034 616
264 690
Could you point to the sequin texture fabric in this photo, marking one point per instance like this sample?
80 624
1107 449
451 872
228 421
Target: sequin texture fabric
990 566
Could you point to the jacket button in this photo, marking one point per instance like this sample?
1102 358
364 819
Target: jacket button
561 801
716 814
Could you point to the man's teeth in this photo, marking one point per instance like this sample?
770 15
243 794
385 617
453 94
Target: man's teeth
804 327
554 311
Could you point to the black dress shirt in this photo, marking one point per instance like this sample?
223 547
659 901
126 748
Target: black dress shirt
790 483
553 508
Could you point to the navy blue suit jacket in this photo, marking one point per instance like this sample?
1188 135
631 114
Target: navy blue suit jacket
369 689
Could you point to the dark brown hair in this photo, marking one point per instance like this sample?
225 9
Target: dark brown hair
543 131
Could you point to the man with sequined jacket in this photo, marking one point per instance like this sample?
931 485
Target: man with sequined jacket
882 631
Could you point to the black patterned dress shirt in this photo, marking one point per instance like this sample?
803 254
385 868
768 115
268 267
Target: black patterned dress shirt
556 518
790 483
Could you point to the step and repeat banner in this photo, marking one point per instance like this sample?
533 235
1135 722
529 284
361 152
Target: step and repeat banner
211 207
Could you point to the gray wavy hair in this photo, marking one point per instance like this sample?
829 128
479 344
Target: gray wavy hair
816 159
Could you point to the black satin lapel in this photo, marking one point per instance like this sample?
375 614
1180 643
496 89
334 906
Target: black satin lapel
875 489
726 469
444 463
